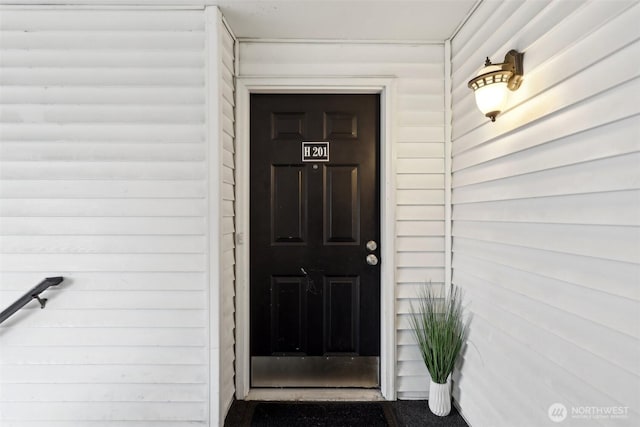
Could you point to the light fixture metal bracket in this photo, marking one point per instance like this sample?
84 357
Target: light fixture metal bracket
513 62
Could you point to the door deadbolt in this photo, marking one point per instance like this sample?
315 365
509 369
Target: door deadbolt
372 245
372 259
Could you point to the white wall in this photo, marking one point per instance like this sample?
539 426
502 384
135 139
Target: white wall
104 180
418 144
546 213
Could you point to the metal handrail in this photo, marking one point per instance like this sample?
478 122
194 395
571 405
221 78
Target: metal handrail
32 294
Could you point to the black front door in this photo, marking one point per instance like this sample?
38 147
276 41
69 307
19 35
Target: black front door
315 238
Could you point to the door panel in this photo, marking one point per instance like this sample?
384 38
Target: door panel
288 204
315 302
288 310
341 205
342 315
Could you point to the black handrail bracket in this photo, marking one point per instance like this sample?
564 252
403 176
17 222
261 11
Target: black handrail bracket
34 293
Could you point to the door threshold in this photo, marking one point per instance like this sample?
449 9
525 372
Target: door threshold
316 394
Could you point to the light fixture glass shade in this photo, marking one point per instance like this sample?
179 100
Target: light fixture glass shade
492 99
491 90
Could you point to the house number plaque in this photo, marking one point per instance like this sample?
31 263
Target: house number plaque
315 151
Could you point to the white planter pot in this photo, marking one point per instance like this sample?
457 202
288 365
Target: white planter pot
440 397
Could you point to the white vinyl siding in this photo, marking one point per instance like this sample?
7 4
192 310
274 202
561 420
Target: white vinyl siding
227 305
418 140
104 181
546 213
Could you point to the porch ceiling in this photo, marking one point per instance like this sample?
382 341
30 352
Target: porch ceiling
430 20
375 20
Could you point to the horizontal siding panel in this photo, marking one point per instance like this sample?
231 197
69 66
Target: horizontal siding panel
101 151
611 346
601 372
548 131
102 393
143 300
88 337
420 197
55 207
604 308
420 166
421 102
608 242
613 277
611 174
423 274
420 134
102 226
416 259
109 318
89 189
621 138
510 388
416 212
61 114
413 150
413 383
419 228
610 208
412 368
420 181
156 132
105 96
100 411
89 58
415 85
89 20
101 244
110 281
408 291
100 262
419 244
102 39
72 170
339 53
118 354
296 69
419 118
100 76
409 353
544 377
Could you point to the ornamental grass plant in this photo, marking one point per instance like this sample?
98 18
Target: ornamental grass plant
440 330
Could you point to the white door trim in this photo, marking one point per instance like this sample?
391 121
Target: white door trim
386 88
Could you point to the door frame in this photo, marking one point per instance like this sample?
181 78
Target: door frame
245 86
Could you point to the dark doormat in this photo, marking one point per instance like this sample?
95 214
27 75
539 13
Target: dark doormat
317 414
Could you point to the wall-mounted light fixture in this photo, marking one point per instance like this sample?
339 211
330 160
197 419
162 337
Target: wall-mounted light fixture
491 83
